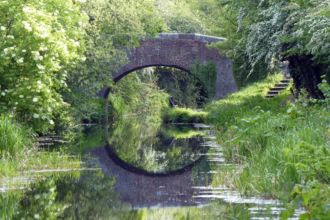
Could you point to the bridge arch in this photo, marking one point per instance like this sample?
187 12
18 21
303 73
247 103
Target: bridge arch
180 51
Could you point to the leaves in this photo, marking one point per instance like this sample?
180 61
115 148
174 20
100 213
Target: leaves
39 41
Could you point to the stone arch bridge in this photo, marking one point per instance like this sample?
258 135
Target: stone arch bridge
180 51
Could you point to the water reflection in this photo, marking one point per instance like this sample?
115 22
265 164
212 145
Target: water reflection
140 191
155 148
146 171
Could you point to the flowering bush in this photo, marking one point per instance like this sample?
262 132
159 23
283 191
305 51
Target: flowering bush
39 41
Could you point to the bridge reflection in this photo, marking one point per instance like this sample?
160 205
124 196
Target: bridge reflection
144 189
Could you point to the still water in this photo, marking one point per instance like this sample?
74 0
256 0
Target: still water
137 169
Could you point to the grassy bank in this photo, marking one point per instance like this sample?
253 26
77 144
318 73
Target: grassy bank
21 162
278 145
183 115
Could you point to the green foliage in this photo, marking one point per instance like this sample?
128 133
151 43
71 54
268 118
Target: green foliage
305 43
84 107
242 68
13 137
39 203
325 88
314 197
207 75
281 146
136 93
258 32
179 18
113 28
237 105
313 162
183 115
181 85
218 17
39 41
90 195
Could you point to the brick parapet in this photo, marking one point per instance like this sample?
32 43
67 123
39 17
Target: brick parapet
180 51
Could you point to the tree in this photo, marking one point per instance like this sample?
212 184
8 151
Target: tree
178 17
114 27
40 40
297 30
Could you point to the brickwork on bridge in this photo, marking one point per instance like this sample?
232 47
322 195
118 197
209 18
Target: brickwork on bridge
180 51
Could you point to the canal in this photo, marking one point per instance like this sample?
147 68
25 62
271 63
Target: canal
136 168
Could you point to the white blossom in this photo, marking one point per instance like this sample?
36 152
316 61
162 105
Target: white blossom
27 26
35 115
3 28
3 94
21 60
35 99
41 67
21 96
44 35
51 122
26 9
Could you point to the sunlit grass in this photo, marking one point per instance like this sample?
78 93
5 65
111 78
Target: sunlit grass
183 115
264 136
13 137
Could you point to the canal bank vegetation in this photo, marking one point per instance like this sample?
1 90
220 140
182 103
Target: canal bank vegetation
20 157
280 146
183 115
137 93
55 56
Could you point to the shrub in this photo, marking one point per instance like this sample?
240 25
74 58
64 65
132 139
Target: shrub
183 115
13 137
